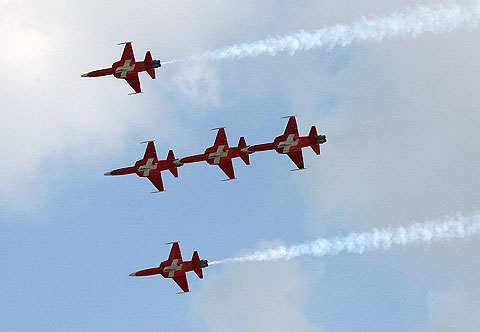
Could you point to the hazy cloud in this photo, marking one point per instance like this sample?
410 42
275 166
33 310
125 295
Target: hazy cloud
256 297
199 83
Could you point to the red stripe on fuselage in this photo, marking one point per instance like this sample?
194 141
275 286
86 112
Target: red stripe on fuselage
124 171
194 158
101 72
149 272
262 147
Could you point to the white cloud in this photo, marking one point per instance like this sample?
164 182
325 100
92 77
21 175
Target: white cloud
256 297
454 309
199 83
401 137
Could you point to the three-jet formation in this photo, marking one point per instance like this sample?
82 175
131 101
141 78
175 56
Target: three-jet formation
175 267
128 69
221 154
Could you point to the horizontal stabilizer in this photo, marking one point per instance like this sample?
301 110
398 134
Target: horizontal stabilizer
199 273
242 144
148 65
313 140
196 258
171 158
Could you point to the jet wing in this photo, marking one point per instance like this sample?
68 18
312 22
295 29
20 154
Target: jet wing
150 152
181 281
297 158
157 181
128 53
291 126
227 168
134 82
175 253
221 138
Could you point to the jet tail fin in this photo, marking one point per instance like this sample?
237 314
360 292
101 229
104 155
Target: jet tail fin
313 138
196 258
242 144
173 168
148 64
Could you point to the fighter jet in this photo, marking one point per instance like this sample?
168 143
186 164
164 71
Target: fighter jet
128 69
291 143
221 154
174 267
150 167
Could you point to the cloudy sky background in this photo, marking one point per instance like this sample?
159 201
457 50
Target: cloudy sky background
401 119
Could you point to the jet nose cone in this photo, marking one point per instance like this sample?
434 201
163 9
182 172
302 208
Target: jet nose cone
134 274
85 75
108 174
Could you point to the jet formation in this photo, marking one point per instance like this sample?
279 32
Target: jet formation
221 154
176 268
128 69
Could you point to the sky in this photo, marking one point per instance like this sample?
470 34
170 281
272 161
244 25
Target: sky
401 119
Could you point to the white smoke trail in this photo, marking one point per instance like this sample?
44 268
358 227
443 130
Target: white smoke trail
170 62
408 23
358 243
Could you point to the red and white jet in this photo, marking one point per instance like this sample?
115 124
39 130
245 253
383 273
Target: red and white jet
150 167
174 267
291 143
221 154
128 69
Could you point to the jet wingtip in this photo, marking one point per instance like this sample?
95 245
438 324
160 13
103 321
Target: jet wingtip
297 169
145 142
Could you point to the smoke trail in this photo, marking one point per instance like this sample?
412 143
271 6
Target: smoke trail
358 243
408 23
171 61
